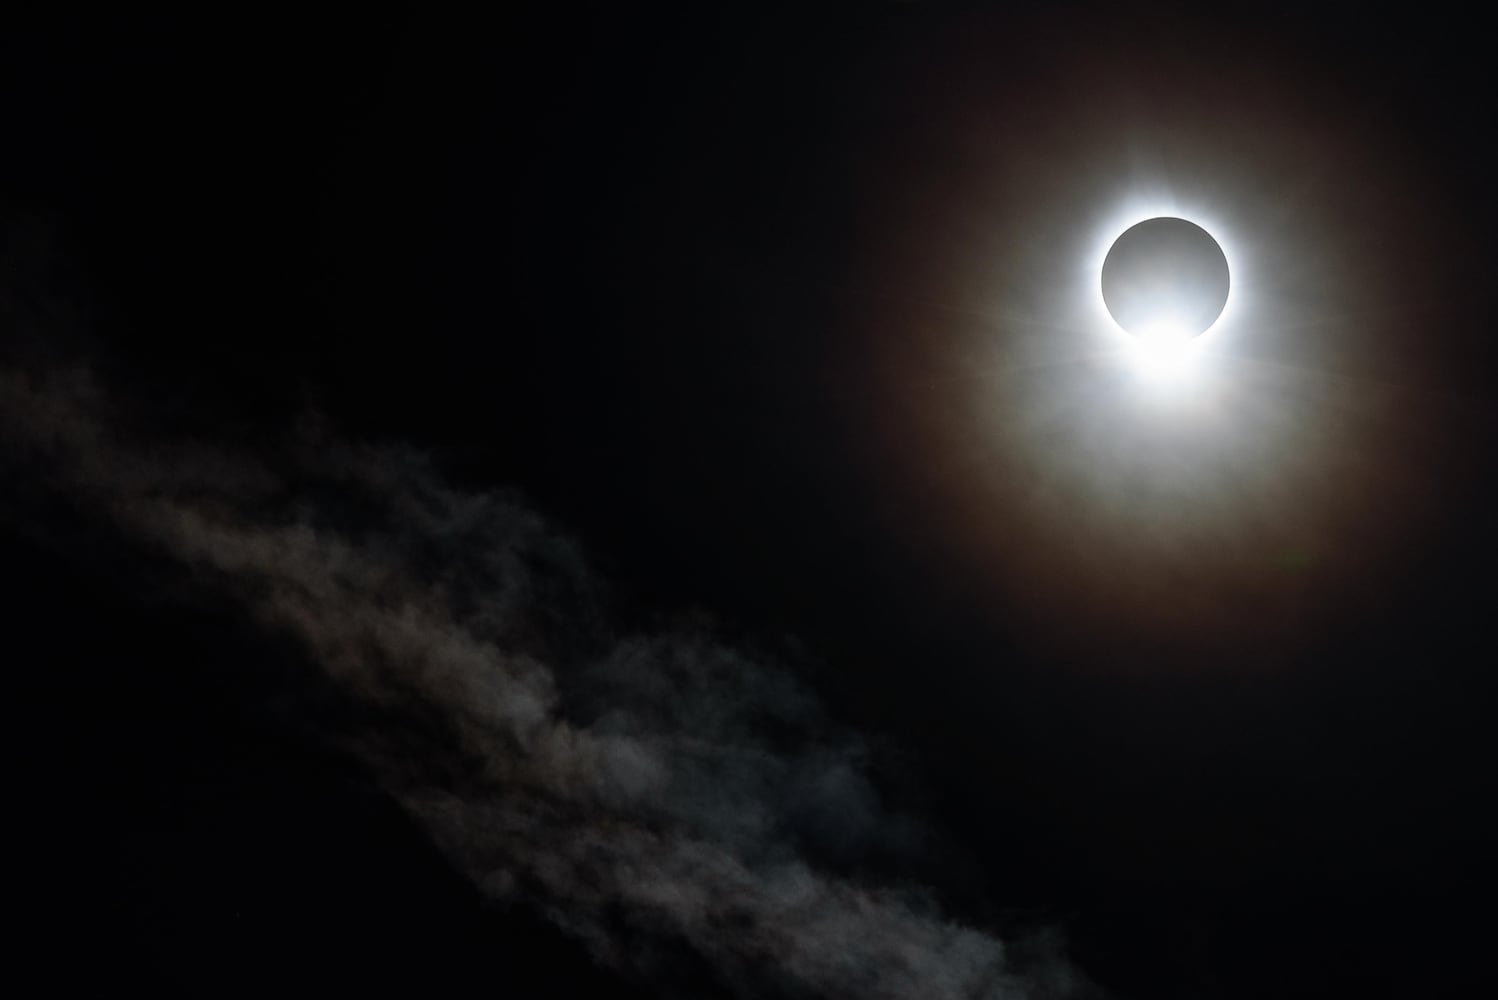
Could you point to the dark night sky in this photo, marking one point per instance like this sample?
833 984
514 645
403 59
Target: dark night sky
771 315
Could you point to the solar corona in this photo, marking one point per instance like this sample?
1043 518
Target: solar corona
1165 281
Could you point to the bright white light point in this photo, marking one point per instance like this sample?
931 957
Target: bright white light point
1164 350
1165 281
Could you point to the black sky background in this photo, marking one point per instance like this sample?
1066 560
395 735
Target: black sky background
683 282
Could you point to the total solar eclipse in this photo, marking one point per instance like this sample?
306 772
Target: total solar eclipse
1165 278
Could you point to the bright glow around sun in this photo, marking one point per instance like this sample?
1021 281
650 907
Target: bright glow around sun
1165 351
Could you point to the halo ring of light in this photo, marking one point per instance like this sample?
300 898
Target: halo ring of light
1147 356
1142 207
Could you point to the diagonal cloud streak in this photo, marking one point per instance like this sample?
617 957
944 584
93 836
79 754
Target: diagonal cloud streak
660 787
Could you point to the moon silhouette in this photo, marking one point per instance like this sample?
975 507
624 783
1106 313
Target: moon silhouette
1168 275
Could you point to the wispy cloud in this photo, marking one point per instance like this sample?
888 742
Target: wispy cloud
666 785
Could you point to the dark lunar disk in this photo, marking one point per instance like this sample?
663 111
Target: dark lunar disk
1165 273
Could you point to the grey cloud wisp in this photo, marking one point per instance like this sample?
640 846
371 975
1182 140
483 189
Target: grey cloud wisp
659 785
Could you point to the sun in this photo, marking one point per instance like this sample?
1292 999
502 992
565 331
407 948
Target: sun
1163 284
